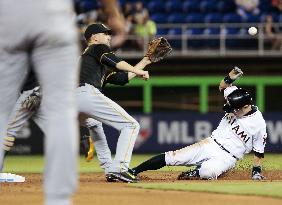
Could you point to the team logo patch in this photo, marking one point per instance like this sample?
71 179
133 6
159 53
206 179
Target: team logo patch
145 130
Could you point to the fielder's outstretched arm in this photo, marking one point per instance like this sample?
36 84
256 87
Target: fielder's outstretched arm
122 65
140 65
123 77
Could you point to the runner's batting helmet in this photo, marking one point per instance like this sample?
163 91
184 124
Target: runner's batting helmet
237 99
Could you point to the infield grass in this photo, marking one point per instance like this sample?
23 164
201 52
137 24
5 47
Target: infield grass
35 164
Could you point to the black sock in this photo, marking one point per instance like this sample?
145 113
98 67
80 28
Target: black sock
154 163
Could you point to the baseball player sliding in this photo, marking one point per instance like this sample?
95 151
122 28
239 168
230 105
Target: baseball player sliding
241 130
98 66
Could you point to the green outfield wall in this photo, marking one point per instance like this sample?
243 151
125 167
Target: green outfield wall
204 82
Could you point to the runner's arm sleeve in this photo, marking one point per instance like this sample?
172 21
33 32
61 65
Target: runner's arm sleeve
259 142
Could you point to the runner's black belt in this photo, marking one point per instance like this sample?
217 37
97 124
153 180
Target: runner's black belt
223 148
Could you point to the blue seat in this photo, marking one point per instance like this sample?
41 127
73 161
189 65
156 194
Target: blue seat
173 6
252 19
195 18
174 31
213 18
275 17
225 6
214 42
194 43
134 1
232 41
232 30
280 18
265 6
212 31
155 6
159 18
176 18
208 6
87 5
232 18
175 43
162 31
191 6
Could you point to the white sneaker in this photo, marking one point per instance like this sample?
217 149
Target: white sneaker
8 177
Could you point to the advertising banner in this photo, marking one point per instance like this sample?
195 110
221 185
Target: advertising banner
160 132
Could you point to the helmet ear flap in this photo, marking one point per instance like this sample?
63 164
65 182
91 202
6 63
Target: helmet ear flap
227 108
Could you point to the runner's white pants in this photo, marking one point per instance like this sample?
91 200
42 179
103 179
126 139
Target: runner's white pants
213 160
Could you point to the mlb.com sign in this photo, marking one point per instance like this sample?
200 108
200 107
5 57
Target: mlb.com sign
169 131
160 132
181 132
188 133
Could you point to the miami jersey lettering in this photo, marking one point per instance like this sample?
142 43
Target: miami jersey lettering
242 135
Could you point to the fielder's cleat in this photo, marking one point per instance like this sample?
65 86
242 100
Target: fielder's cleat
132 171
111 178
189 175
123 176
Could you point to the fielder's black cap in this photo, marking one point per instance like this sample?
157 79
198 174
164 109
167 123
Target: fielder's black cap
96 28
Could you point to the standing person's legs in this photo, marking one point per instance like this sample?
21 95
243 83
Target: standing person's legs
10 72
18 117
13 69
100 142
13 63
55 58
96 105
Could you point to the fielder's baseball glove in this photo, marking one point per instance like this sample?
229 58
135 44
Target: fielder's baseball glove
32 102
158 49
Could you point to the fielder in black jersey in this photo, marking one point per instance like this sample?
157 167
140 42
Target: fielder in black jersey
98 66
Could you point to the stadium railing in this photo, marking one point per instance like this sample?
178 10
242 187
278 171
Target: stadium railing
213 39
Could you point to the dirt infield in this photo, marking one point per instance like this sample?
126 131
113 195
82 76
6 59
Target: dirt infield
95 190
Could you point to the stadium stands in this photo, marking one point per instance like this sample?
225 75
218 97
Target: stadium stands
205 12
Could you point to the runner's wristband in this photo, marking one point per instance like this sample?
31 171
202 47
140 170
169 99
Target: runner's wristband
228 80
